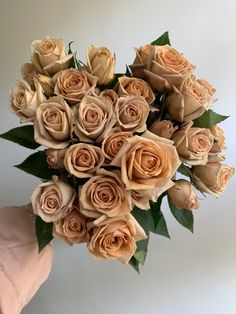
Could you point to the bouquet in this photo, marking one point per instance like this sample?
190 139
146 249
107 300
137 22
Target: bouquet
114 145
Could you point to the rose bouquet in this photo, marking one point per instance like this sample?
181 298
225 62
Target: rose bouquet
114 144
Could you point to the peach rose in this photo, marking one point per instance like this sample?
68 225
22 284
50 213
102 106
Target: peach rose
140 199
73 85
55 157
47 84
219 139
163 128
53 200
72 228
82 160
213 177
183 195
28 73
115 238
104 193
53 123
131 113
48 55
110 95
101 63
193 144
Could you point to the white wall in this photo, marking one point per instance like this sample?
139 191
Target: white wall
190 274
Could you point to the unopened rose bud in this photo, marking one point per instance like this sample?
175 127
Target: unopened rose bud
46 83
163 128
55 157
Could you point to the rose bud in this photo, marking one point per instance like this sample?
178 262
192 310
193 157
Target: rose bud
219 139
163 128
47 84
55 157
28 73
110 95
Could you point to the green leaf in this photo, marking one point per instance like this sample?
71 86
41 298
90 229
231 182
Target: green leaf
69 49
43 232
36 164
159 223
144 218
134 263
185 170
183 216
23 136
208 119
162 40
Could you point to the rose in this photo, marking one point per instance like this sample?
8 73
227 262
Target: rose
140 199
47 84
28 73
190 100
104 193
130 86
94 118
55 157
52 200
182 195
193 144
110 95
163 128
48 55
72 228
212 178
82 160
115 238
131 113
25 101
73 85
101 63
219 139
53 123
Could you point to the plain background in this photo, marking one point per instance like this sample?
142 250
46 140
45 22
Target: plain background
189 274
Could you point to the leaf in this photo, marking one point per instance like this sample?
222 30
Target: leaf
183 216
162 40
159 223
43 232
185 170
69 49
208 119
23 136
144 218
36 164
134 263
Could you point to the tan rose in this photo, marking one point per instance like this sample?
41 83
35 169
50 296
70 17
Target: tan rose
110 95
72 228
94 118
140 199
164 128
52 200
55 157
73 85
104 193
193 144
25 101
53 123
48 55
182 195
47 84
115 238
113 142
213 177
210 89
28 73
131 113
101 63
82 160
219 139
130 86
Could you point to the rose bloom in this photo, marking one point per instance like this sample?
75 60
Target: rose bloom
110 95
82 160
94 119
55 157
130 86
104 193
115 238
53 200
101 63
189 101
131 113
182 195
163 128
28 73
73 85
48 55
140 199
72 228
25 101
213 177
53 123
219 139
193 144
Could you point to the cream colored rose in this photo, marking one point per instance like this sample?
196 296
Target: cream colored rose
189 101
113 142
213 177
73 85
115 238
101 63
72 228
219 139
94 118
131 113
82 160
164 128
53 123
183 195
47 84
28 73
55 157
48 56
104 193
25 101
193 144
52 200
130 86
110 95
140 199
